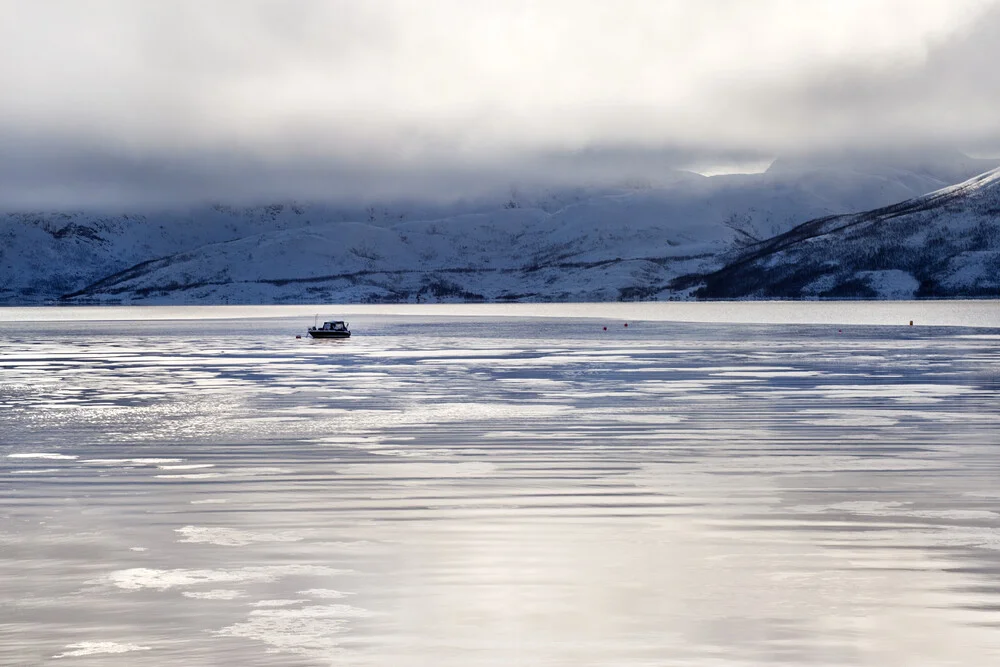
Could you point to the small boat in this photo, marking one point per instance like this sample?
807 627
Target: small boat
333 329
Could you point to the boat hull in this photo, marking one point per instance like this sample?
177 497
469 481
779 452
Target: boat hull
319 333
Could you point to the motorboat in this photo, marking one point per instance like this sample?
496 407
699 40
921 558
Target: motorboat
332 329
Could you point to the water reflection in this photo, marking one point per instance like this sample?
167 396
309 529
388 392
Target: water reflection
455 492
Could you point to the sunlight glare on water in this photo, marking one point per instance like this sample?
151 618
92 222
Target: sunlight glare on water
453 486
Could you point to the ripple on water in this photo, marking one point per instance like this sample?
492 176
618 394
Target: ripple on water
503 494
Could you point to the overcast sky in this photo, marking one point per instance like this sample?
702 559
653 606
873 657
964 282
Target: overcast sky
150 101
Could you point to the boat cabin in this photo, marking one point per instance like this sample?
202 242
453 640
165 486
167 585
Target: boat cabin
334 326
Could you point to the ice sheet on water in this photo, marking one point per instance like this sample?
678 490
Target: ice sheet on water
229 472
188 466
130 462
193 475
685 386
81 649
134 579
324 593
231 537
770 374
903 392
48 456
834 420
215 594
901 510
428 470
955 537
316 631
255 471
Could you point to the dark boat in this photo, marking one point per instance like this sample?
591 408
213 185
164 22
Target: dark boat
334 329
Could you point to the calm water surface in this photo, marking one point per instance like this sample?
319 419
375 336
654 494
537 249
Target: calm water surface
502 485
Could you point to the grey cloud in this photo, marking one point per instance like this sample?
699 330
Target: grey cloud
64 172
111 102
948 100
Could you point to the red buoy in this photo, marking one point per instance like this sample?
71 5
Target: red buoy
626 324
605 328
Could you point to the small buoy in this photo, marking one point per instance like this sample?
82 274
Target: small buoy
626 324
298 336
605 328
840 331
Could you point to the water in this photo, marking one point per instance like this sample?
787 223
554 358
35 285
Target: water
181 487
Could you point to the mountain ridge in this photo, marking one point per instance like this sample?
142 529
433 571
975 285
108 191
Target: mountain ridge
823 257
635 241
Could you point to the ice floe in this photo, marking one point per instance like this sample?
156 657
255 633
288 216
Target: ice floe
134 579
231 537
215 594
49 456
315 631
82 649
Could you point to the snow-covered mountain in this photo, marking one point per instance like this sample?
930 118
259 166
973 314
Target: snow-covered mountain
945 244
508 254
567 244
46 255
